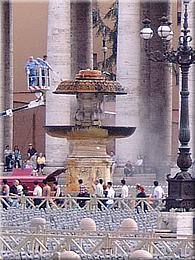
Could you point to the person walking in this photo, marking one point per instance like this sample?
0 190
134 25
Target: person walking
99 192
141 194
46 193
110 196
37 192
57 193
5 190
105 194
124 189
158 194
83 192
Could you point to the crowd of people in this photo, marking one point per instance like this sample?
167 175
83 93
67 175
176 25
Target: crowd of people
40 190
34 160
106 194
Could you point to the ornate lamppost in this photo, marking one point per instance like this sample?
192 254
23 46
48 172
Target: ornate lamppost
181 188
104 50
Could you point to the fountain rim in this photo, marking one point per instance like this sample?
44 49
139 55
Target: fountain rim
91 132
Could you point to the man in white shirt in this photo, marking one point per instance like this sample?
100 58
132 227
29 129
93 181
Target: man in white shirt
158 193
139 164
99 192
124 190
37 192
110 196
99 188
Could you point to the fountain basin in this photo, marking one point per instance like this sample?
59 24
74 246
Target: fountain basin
93 132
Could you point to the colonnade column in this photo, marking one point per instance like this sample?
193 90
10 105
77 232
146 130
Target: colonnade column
157 99
1 88
6 75
148 104
8 70
128 74
59 56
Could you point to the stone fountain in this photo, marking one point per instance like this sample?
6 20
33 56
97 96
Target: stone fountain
88 159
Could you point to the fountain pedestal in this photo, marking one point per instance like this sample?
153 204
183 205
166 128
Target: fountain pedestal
88 159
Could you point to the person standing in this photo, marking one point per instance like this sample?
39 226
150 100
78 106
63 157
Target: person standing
139 164
45 68
158 194
31 69
46 193
32 157
105 194
57 193
38 193
110 196
5 192
19 187
141 194
17 157
99 191
8 155
83 192
124 189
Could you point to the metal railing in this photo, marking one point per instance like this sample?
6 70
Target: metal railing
114 243
90 203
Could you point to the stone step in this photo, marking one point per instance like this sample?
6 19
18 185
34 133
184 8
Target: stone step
142 179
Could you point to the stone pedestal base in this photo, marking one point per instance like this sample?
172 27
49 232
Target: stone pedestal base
178 222
87 169
88 161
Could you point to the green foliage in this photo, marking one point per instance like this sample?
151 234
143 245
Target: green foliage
107 33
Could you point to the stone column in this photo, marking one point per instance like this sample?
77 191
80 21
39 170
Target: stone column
8 70
128 74
158 98
148 104
81 36
81 40
192 81
58 106
1 88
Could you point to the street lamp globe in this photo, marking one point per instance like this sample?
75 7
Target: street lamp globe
170 36
146 33
164 31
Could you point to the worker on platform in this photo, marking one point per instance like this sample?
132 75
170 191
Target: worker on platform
31 69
